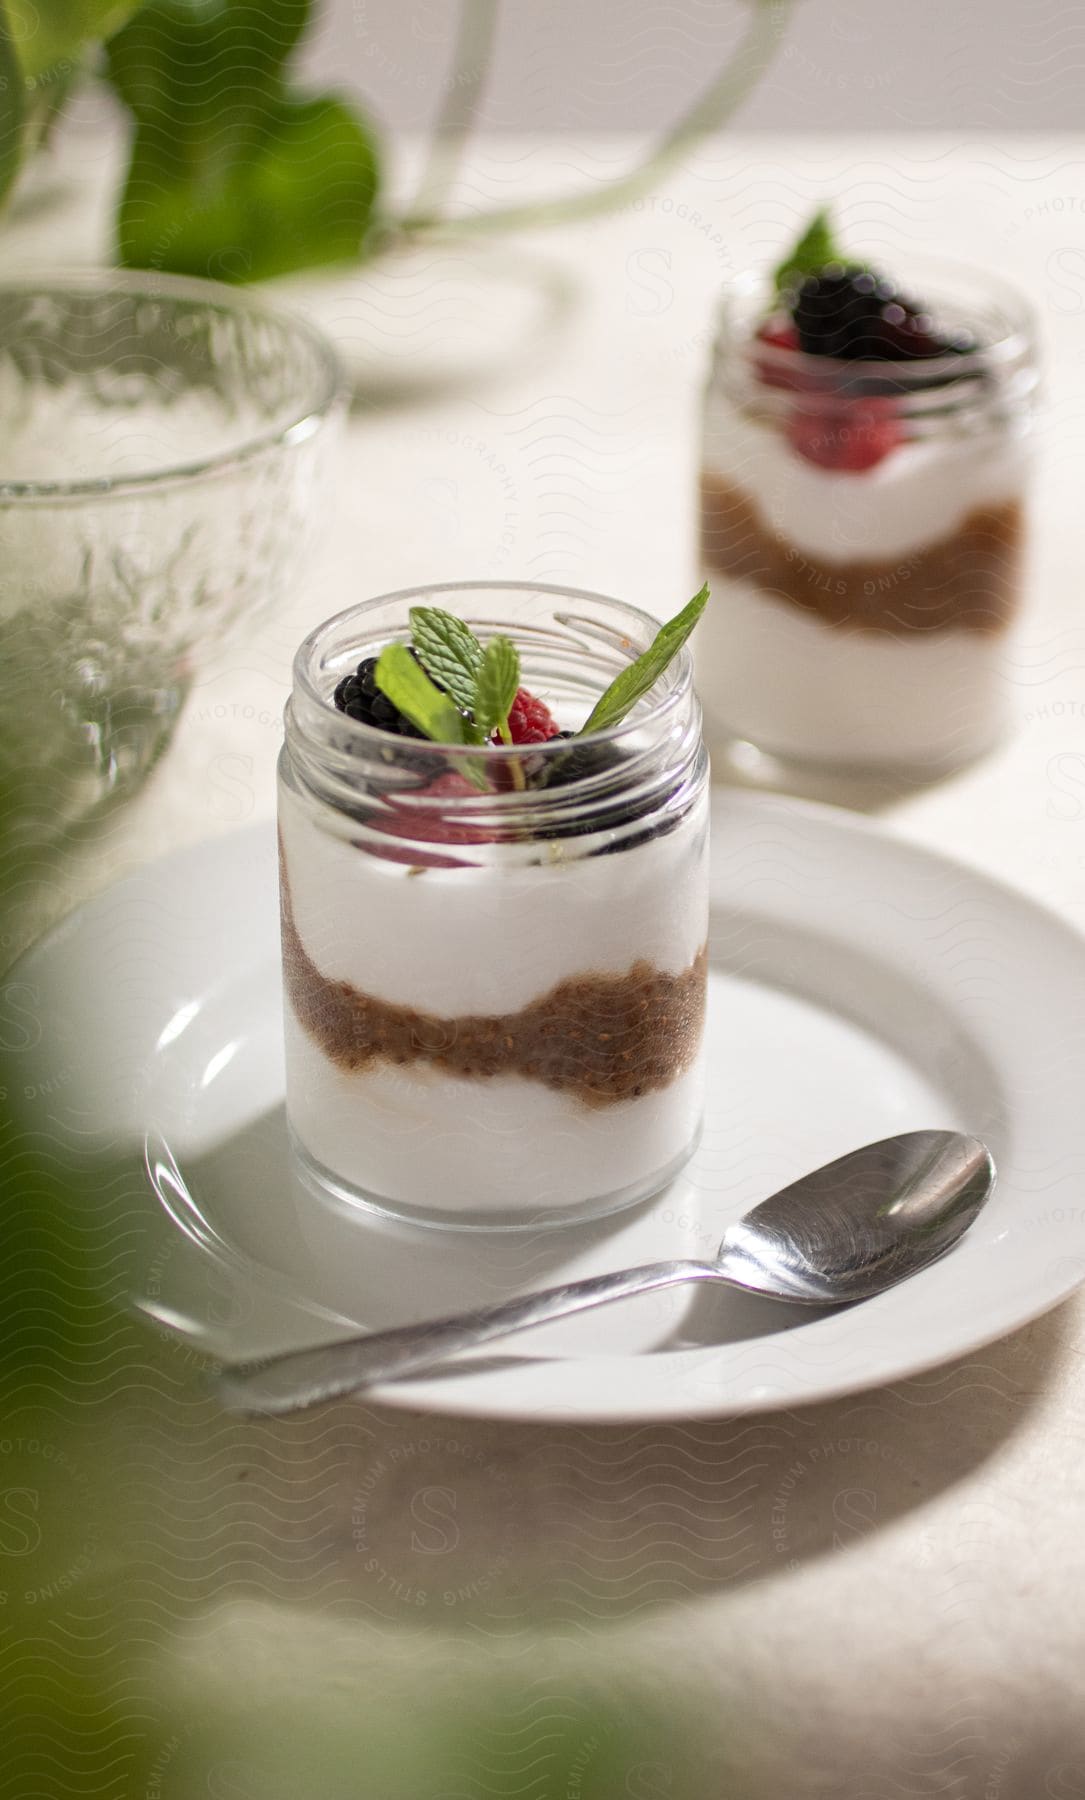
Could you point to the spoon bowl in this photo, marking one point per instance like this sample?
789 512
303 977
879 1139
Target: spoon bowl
862 1223
843 1233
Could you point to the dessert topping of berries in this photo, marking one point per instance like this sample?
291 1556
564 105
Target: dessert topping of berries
530 720
842 309
851 437
843 313
423 817
854 315
782 368
583 759
448 687
360 698
780 334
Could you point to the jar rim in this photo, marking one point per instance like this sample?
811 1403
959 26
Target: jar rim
676 681
1010 346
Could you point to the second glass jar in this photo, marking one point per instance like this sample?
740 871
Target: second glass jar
863 529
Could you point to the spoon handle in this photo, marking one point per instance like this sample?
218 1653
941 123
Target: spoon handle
301 1378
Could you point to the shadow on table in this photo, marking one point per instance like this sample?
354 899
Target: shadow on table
443 320
458 1538
492 1522
743 766
489 1523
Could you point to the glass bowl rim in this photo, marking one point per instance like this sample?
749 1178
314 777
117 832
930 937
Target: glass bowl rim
297 424
678 675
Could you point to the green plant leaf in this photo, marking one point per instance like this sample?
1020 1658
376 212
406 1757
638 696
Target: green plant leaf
635 681
12 107
814 248
232 175
50 38
449 651
408 686
495 687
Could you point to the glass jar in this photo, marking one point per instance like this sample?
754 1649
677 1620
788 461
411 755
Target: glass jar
862 528
495 959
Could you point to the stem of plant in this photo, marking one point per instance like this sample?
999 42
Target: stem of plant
714 109
516 767
470 67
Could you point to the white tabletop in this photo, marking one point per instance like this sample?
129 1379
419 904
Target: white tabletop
881 1595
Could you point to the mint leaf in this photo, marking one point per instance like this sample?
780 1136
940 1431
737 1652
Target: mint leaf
495 687
635 681
407 686
816 247
449 651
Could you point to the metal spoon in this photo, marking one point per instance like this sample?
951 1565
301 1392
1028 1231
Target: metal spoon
845 1232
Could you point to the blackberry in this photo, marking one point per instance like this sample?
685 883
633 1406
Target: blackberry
855 315
360 698
834 310
585 759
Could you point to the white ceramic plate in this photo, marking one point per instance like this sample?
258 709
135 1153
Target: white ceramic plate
859 987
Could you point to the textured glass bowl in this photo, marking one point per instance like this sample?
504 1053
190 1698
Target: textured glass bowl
161 443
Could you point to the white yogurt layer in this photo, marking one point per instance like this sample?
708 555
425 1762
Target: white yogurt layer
917 495
487 941
422 1139
800 688
490 940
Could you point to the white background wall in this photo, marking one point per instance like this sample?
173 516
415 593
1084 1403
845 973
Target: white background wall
612 64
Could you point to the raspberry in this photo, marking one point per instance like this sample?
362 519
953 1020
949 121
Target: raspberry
449 785
790 372
414 824
782 334
530 720
851 439
430 823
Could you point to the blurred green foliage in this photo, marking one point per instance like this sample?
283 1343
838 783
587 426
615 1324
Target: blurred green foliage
178 1617
232 172
12 107
159 1639
50 34
236 173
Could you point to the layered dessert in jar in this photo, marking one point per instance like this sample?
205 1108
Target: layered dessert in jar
493 837
866 453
